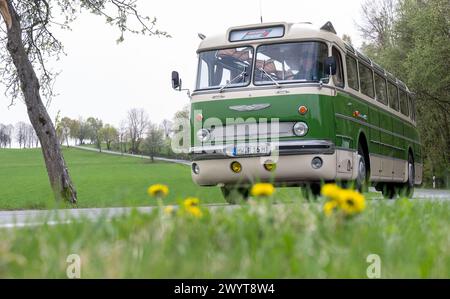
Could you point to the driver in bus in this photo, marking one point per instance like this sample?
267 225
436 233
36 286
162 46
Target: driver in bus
306 68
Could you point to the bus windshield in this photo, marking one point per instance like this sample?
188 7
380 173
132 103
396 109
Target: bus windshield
290 62
224 68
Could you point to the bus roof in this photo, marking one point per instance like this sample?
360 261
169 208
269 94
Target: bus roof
293 32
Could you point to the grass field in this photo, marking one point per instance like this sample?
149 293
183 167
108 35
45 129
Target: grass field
411 239
101 180
255 240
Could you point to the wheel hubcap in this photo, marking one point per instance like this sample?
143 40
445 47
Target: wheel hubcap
410 174
361 170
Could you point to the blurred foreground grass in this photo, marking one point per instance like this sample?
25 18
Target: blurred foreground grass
260 240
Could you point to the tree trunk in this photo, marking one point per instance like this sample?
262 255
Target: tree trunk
58 174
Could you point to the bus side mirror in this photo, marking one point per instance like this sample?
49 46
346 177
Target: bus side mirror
176 81
330 63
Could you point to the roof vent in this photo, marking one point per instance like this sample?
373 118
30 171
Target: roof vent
328 27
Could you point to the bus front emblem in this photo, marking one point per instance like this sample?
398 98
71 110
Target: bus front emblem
253 107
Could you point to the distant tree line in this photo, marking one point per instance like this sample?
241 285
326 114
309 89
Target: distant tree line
22 134
136 134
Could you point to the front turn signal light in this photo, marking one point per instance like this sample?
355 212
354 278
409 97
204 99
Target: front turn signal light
302 110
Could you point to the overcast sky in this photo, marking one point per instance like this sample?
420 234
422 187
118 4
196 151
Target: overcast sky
103 79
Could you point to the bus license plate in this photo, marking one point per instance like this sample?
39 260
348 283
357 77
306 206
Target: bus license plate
257 149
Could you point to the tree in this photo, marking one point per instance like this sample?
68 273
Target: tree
154 141
167 127
95 126
31 139
63 130
21 133
29 43
79 130
5 135
347 38
418 52
123 136
109 134
378 22
137 123
9 132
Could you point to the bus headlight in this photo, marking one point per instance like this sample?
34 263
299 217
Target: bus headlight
300 129
203 135
317 162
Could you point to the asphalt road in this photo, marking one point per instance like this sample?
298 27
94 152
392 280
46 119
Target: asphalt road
184 162
10 219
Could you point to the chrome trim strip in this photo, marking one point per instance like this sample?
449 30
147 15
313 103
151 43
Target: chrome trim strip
388 145
375 127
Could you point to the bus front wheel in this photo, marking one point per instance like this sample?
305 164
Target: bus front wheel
362 177
310 191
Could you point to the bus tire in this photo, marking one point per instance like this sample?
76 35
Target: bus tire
310 191
235 194
407 189
362 177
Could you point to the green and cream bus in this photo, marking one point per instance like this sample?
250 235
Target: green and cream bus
339 116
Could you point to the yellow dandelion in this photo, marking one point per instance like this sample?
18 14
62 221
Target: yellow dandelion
191 202
262 189
169 210
330 190
351 202
158 190
195 211
329 207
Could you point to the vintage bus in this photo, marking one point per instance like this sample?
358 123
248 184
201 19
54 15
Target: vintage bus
340 116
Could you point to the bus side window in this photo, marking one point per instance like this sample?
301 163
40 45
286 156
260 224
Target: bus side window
412 108
404 103
380 89
352 73
366 80
393 96
339 77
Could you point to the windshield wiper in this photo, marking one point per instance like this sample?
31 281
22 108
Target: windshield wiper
270 77
240 76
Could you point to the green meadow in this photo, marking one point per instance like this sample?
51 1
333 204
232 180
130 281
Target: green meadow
101 180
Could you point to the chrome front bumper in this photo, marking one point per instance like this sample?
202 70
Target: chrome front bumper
281 148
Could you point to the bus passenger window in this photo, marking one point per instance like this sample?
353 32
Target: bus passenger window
380 89
352 73
366 79
404 103
412 108
339 77
393 96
